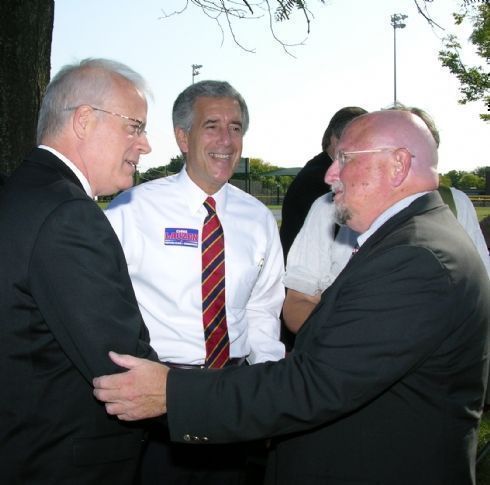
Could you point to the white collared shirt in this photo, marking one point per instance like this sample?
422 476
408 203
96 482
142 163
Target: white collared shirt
159 225
316 258
72 167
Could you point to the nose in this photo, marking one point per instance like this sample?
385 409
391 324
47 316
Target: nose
225 136
143 144
333 172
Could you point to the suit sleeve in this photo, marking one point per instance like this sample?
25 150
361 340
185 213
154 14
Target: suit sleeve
376 324
78 276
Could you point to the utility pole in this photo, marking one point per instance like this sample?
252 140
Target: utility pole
195 71
397 23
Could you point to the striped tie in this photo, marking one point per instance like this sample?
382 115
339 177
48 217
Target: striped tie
213 289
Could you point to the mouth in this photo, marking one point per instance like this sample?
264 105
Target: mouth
220 156
337 189
132 164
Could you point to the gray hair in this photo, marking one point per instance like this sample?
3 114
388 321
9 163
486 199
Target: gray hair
183 110
89 81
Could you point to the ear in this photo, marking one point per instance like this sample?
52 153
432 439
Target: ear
81 120
182 139
401 166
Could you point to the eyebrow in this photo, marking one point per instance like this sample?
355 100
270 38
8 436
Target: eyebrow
216 120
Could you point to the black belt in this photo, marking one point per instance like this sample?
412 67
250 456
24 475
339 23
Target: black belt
232 362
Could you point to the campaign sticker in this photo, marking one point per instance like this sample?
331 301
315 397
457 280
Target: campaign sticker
175 236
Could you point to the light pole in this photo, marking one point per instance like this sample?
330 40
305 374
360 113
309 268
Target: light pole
397 23
195 71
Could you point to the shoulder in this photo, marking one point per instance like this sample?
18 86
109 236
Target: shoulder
242 204
460 198
151 190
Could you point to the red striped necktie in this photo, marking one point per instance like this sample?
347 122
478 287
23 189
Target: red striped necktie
213 289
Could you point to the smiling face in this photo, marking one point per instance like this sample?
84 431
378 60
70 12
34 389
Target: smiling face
213 145
111 147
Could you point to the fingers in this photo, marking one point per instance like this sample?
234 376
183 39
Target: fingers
114 381
124 360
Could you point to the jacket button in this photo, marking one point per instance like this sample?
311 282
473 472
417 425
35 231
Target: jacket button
187 437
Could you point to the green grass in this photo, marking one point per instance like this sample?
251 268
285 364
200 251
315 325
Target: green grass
483 469
482 212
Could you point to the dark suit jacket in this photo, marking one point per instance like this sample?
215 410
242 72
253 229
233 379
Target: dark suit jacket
386 382
65 301
306 187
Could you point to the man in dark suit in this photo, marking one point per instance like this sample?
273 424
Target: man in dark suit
386 381
65 293
310 184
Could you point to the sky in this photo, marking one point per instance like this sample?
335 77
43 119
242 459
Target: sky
347 60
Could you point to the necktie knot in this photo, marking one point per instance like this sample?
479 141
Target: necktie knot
210 205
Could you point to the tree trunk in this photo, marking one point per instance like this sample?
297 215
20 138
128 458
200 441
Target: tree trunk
26 28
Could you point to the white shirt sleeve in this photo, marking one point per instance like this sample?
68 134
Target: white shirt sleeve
265 303
468 219
316 258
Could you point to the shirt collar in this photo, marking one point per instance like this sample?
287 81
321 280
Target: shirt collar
196 196
388 214
72 167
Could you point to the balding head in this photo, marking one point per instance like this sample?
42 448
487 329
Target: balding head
398 158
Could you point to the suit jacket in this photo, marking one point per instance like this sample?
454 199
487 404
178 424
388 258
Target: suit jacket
306 187
386 382
65 301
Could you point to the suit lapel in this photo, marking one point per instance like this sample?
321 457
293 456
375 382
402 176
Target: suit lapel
427 202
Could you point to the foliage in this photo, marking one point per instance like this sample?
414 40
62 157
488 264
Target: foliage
225 12
474 80
471 181
462 180
258 168
174 166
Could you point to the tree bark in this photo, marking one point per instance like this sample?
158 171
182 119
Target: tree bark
26 28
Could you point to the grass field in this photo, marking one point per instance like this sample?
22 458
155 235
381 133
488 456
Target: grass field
482 212
483 468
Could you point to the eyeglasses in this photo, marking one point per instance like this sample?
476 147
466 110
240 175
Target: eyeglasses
343 157
137 129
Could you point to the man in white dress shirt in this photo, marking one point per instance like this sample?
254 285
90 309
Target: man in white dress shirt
159 225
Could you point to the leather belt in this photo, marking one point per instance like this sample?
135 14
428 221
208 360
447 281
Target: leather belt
236 361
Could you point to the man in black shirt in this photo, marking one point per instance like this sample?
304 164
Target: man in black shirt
309 184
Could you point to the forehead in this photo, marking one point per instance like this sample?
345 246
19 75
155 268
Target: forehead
125 96
358 132
209 107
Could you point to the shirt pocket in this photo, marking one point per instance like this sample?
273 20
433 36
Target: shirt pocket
244 277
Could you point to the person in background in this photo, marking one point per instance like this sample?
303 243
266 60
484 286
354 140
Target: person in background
162 228
65 293
387 377
319 252
309 184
